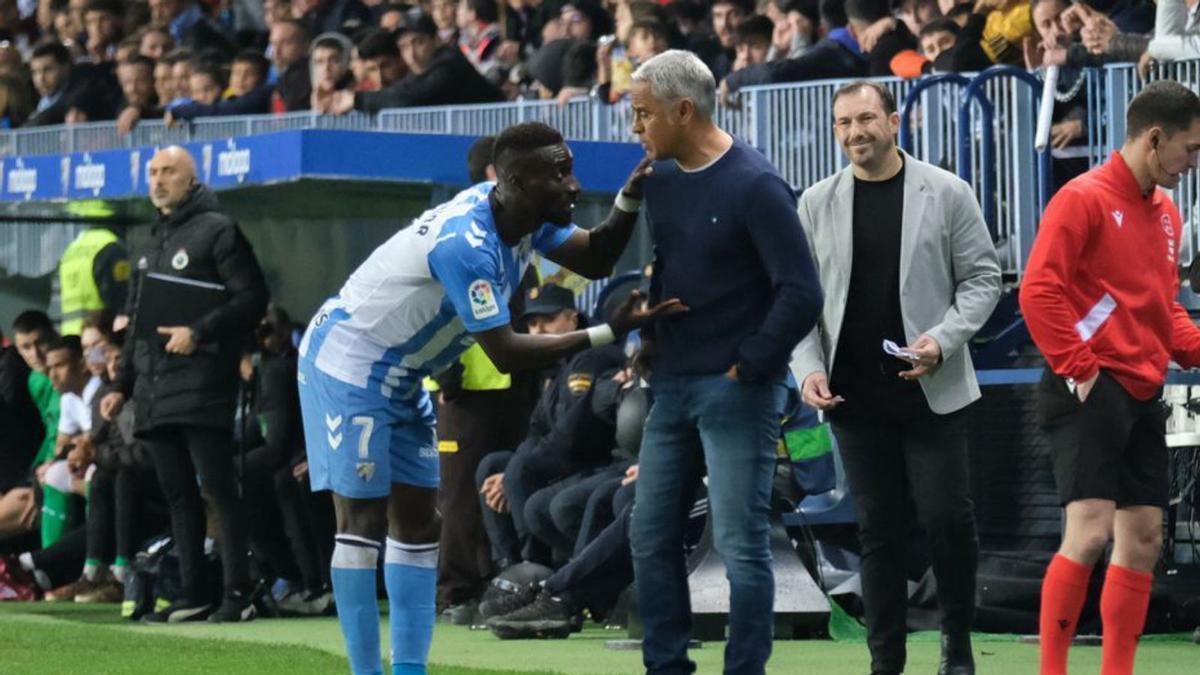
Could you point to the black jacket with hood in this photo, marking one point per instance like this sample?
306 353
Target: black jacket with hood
197 242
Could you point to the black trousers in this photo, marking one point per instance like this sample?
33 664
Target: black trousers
63 561
477 423
597 574
125 507
892 462
191 461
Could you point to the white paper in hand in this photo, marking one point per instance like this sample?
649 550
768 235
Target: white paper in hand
892 349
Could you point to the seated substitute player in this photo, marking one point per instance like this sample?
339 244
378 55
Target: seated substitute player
418 302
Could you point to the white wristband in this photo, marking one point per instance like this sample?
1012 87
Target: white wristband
627 204
601 335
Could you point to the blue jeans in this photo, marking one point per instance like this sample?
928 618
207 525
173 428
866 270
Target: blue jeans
733 429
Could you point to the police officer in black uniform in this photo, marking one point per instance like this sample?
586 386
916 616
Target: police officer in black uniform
183 381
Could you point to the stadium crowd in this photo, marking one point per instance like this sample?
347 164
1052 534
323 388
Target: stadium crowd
71 61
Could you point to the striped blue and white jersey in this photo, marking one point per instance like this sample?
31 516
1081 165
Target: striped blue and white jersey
409 310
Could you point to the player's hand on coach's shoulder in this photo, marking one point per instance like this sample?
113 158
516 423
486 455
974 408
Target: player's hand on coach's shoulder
633 185
635 312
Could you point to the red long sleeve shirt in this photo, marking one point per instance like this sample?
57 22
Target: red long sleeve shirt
1100 288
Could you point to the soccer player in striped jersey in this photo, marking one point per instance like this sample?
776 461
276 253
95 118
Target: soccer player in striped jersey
421 299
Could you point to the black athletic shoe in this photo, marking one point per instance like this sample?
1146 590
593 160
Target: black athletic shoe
512 598
547 617
236 607
180 611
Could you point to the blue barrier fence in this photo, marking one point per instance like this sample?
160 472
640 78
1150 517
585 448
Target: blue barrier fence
981 127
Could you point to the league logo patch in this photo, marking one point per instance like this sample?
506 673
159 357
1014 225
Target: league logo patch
180 260
483 299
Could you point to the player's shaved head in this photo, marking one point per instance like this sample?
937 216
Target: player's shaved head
522 144
172 177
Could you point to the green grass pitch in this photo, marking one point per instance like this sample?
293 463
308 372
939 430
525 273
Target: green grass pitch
45 639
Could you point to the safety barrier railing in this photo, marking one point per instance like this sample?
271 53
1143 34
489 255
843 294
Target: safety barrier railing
985 136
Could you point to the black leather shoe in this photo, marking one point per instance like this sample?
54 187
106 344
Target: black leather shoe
957 658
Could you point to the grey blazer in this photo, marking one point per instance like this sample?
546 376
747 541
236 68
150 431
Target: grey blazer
949 274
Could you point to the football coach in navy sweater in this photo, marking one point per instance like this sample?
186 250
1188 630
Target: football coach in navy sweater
729 244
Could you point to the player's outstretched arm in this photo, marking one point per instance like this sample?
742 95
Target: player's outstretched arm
511 351
592 253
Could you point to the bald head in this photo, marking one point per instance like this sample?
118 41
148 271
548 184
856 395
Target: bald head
172 177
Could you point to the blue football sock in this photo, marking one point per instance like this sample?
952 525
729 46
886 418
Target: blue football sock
410 572
355 561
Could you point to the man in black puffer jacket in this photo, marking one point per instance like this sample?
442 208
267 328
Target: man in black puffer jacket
183 380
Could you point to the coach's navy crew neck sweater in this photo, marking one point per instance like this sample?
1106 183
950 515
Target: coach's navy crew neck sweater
728 243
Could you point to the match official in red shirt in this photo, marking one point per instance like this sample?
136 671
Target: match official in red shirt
1099 296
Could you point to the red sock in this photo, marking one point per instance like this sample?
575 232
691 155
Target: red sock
1123 604
1063 592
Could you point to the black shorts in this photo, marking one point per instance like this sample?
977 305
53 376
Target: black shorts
1111 446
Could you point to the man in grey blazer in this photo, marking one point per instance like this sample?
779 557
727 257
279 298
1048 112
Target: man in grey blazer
904 258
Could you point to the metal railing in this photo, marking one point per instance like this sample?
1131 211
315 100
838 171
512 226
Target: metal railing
986 138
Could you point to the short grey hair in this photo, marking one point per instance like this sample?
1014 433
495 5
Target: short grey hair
677 74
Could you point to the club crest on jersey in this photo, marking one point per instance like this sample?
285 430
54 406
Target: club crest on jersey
180 260
483 299
1169 230
365 470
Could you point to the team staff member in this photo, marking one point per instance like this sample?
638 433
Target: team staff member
1099 297
184 382
93 274
904 255
728 244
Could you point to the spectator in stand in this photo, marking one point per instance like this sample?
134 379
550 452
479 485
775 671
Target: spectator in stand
190 27
888 37
1176 31
392 17
801 25
289 54
727 15
55 82
545 67
835 56
937 36
329 61
140 100
207 82
1068 132
753 40
181 61
438 75
102 19
994 33
126 49
646 39
332 16
16 101
445 17
154 43
578 71
479 34
247 73
376 63
164 80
